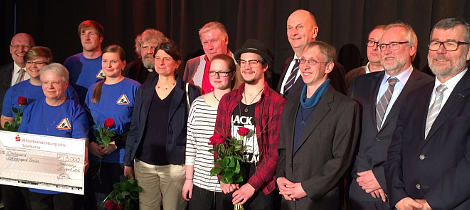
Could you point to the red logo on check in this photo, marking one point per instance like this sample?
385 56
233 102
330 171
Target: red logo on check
17 138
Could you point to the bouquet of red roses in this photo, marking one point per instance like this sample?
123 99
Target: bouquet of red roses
229 157
13 126
103 134
124 196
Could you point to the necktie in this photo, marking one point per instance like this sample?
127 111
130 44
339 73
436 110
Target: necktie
20 76
435 108
381 107
291 78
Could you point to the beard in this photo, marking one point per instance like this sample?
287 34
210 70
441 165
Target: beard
452 69
395 67
148 62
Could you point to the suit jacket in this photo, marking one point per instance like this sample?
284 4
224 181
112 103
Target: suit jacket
325 149
336 80
351 75
6 72
373 144
436 168
178 115
137 71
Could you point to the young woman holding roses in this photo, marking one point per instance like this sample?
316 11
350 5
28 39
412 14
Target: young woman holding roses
110 103
200 188
31 89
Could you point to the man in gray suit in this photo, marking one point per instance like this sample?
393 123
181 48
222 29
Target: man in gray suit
319 131
368 189
428 163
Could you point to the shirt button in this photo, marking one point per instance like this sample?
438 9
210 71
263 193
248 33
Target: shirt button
421 157
377 139
418 186
170 142
171 132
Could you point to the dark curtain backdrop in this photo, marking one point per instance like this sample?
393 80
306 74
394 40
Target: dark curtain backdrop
343 23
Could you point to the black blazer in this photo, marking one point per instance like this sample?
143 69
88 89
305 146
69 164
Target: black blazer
325 149
436 168
336 79
373 144
136 71
176 142
6 72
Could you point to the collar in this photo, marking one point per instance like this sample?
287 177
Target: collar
452 82
402 77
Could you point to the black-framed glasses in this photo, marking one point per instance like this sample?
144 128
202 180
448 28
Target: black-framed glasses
35 62
392 45
252 63
448 45
372 43
219 73
309 61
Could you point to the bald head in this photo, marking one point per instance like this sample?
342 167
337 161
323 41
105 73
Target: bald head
301 29
20 43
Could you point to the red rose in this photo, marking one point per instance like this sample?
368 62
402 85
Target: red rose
242 131
109 205
118 207
109 122
216 139
22 100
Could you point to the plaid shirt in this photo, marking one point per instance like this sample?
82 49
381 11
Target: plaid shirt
267 122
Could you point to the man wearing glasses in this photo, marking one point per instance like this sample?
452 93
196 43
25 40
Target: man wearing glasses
428 159
143 67
373 56
257 107
381 95
319 131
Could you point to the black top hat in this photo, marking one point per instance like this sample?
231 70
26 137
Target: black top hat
255 46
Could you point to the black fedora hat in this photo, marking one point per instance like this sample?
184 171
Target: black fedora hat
255 46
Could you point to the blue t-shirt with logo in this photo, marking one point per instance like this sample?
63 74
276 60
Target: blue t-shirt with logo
116 102
66 120
31 93
83 73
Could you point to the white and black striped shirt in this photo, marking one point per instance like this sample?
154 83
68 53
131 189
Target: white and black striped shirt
201 122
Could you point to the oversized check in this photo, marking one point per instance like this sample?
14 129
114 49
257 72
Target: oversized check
42 162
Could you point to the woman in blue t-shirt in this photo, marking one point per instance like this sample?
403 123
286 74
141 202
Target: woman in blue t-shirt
55 115
112 97
35 58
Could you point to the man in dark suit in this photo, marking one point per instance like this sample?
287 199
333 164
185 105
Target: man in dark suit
319 131
301 29
142 69
10 74
368 189
428 159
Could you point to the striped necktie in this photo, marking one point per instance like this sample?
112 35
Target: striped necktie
20 77
435 108
291 79
381 107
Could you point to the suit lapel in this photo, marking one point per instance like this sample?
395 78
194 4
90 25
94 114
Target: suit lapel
284 72
459 93
292 108
319 113
177 97
409 86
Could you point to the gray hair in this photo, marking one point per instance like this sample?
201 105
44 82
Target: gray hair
410 34
213 25
451 23
327 50
149 35
57 68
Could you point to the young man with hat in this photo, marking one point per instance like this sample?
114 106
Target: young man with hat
254 105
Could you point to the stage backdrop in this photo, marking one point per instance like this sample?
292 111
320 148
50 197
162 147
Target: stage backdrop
343 23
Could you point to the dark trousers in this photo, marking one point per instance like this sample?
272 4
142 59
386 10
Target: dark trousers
367 205
259 201
15 198
99 182
62 201
204 199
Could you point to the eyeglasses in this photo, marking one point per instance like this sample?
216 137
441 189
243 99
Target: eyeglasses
253 63
35 62
310 62
448 46
219 73
166 59
17 46
393 46
146 47
55 84
372 43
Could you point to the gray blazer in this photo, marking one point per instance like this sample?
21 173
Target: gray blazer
325 150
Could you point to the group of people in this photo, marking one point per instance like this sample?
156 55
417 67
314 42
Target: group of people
382 136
